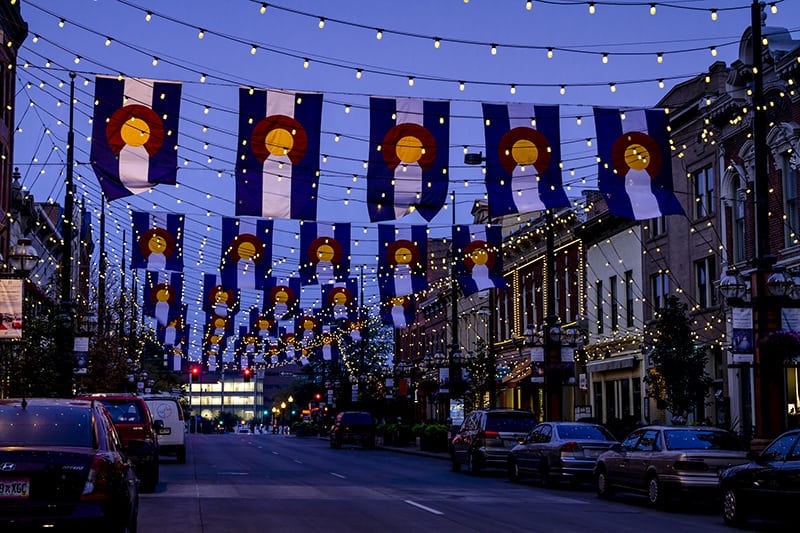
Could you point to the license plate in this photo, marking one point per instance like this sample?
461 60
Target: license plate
591 453
14 488
165 431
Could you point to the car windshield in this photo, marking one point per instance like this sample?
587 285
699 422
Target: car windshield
518 422
125 411
575 431
46 426
701 440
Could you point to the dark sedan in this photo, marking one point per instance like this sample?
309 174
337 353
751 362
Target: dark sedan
768 486
664 461
62 465
559 450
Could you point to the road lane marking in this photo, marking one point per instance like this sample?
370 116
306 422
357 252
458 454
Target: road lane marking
275 453
298 461
338 475
423 507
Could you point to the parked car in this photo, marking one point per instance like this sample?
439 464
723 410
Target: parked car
664 461
559 450
486 436
63 466
356 427
172 436
768 486
138 432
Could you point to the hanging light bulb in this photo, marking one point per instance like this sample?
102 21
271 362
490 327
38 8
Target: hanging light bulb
347 108
253 50
494 49
773 7
613 87
461 86
713 14
358 74
714 51
201 33
605 57
652 9
513 89
563 89
61 23
591 8
579 120
549 53
108 41
660 84
263 8
305 63
202 78
77 59
155 61
321 23
411 81
379 34
660 57
35 38
437 42
529 5
148 16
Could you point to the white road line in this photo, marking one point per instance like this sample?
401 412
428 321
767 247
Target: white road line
298 461
338 475
423 507
274 453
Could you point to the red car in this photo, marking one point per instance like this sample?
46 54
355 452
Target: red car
62 465
138 431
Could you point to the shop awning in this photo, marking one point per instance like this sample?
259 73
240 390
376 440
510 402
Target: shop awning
520 372
613 363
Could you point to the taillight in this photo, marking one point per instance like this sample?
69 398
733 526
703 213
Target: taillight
570 447
97 481
490 434
694 466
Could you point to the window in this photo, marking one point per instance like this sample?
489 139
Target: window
791 212
614 304
705 273
637 398
599 300
659 288
629 298
738 222
703 181
658 227
625 396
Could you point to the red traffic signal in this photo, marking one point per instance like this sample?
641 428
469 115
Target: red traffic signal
195 371
318 396
247 373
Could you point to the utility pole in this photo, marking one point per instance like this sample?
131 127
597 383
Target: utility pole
454 360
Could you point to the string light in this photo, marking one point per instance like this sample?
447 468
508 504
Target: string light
379 34
660 57
773 7
202 78
713 14
652 9
549 53
494 49
529 5
411 81
513 89
437 42
253 50
461 86
201 33
563 89
321 23
605 58
155 61
148 16
714 51
358 74
305 63
591 8
61 23
108 41
613 87
263 9
77 59
660 84
35 38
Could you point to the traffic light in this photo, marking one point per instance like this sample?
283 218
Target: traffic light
195 371
247 373
318 396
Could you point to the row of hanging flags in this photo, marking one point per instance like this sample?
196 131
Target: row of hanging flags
134 148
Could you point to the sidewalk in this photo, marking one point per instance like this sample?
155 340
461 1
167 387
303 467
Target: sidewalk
414 450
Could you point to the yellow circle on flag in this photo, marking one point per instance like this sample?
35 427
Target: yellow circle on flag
339 298
479 256
524 152
246 250
279 141
157 244
162 295
403 256
135 131
281 297
409 149
325 252
637 157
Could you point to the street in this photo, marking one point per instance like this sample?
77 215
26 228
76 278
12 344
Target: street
263 483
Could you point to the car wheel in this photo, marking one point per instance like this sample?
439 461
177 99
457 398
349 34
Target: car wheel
472 465
602 484
182 455
732 512
514 474
655 491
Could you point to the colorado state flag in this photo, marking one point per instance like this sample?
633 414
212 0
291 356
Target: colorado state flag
157 241
398 311
277 162
340 300
324 252
408 157
479 261
246 253
134 134
281 298
162 296
402 260
635 168
523 158
218 299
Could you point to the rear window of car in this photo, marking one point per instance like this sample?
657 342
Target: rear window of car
584 432
356 418
125 411
519 422
46 426
701 440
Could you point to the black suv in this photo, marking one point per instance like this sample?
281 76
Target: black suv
353 427
487 436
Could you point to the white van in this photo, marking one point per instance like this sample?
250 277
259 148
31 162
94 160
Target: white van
172 437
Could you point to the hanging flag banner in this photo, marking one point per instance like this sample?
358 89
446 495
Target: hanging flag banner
408 157
398 311
339 300
246 348
635 163
218 327
281 298
162 296
217 299
523 158
329 346
263 326
277 165
307 328
134 134
478 261
157 241
174 332
246 253
324 252
288 340
402 253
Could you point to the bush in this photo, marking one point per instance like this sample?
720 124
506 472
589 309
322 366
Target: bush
434 437
303 429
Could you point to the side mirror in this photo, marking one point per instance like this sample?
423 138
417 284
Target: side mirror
158 425
617 447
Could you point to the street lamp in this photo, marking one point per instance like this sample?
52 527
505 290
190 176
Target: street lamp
23 257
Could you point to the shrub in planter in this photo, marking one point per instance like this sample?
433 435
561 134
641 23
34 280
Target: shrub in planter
434 437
